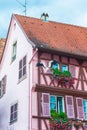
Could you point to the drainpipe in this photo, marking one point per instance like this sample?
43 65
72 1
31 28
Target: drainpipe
30 99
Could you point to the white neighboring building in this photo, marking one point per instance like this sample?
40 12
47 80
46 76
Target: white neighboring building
14 101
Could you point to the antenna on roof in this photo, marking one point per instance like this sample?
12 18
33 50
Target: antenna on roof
23 5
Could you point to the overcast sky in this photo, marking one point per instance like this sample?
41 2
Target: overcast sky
65 11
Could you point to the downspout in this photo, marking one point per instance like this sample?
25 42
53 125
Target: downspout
30 99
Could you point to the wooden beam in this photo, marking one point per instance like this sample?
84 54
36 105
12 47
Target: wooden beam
56 52
41 117
60 91
39 109
47 118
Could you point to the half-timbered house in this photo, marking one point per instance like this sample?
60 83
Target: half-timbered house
52 45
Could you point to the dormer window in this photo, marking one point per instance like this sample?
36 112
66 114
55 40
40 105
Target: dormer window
14 51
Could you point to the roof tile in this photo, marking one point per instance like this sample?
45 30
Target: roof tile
58 36
2 45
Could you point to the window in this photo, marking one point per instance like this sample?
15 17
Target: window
0 89
55 66
22 68
57 103
85 109
64 68
3 86
14 51
13 113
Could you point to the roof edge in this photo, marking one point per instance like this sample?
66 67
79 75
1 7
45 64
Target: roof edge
33 45
79 57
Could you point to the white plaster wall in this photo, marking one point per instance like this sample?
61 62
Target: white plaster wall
15 92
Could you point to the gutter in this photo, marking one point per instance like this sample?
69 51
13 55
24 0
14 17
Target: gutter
30 97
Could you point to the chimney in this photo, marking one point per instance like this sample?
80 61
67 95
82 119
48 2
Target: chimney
44 17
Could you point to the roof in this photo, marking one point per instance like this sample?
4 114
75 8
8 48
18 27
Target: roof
2 45
53 35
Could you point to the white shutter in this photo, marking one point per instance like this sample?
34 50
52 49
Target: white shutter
46 104
72 70
79 104
70 106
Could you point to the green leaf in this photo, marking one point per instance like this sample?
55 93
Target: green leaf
66 74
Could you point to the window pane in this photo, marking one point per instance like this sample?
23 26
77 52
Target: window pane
53 102
53 99
0 92
24 70
15 115
60 102
55 66
12 109
85 103
24 61
11 117
52 106
64 68
20 74
15 107
85 115
85 108
14 49
0 84
20 64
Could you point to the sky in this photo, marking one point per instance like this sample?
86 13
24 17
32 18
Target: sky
64 11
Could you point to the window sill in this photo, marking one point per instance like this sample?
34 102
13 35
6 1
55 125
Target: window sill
41 117
13 59
11 122
20 80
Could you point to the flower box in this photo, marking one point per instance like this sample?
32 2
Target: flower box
59 121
